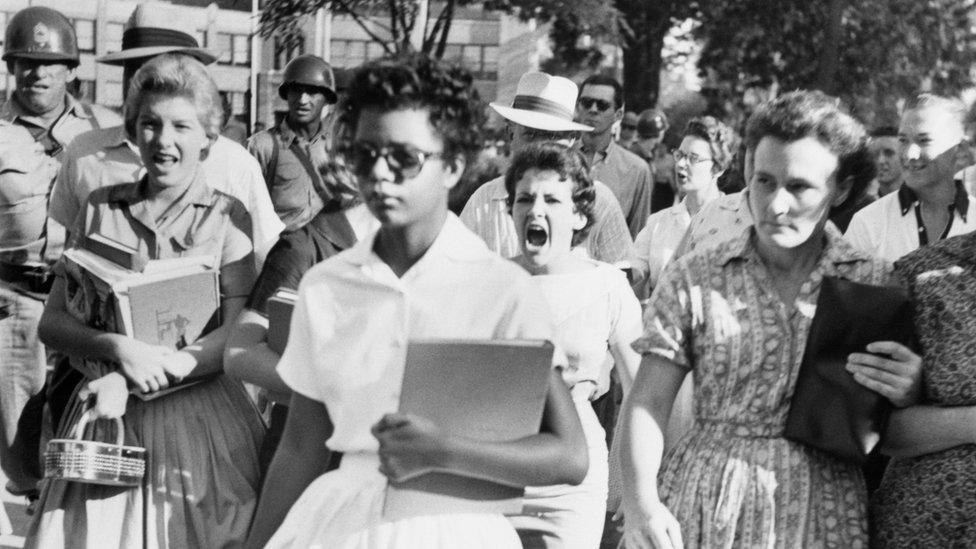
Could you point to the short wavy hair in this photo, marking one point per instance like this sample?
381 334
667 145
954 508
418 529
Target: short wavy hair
801 114
416 81
174 75
719 137
569 164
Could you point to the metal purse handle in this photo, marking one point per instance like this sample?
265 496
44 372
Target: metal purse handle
87 417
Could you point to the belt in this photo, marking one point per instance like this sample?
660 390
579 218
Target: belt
33 278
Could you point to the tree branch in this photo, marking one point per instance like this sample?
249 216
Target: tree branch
362 23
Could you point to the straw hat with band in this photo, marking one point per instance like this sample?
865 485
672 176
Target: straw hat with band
153 29
543 102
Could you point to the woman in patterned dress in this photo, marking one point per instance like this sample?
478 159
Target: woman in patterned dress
737 317
201 483
928 495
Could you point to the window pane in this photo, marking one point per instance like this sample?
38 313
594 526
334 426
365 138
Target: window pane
85 32
356 54
374 50
472 58
3 27
452 52
338 53
113 37
242 49
112 94
225 48
490 64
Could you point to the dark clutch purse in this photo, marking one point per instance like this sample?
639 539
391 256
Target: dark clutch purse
829 410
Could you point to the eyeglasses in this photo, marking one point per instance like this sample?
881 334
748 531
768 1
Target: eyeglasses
692 158
588 103
405 160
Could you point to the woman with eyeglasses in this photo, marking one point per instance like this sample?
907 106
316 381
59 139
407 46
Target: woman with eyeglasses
421 275
704 154
551 201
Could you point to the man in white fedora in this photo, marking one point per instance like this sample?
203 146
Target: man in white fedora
108 156
543 111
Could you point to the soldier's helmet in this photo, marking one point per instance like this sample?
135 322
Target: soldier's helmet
40 33
308 70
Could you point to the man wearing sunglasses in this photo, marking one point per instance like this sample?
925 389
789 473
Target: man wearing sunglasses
628 130
600 105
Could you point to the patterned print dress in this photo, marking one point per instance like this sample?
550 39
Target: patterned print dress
930 500
732 480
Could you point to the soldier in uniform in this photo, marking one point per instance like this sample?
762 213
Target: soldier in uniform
36 125
293 154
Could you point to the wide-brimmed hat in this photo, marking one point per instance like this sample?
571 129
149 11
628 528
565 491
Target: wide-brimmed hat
543 102
154 29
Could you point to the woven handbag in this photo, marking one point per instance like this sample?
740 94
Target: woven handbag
79 460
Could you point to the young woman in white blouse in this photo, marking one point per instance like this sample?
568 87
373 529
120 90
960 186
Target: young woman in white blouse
596 316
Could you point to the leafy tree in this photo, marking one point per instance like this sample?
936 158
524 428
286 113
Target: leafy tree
283 18
872 53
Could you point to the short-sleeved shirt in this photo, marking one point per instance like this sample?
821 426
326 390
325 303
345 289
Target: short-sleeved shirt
202 221
105 157
354 317
629 177
655 245
486 213
294 193
592 310
296 252
889 227
30 156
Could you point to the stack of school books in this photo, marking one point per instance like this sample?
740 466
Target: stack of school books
168 302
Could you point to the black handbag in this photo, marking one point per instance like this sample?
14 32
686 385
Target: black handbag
829 410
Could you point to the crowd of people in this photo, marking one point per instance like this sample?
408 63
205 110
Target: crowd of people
642 264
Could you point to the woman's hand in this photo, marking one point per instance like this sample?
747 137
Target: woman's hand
144 364
410 446
111 393
894 371
179 364
655 528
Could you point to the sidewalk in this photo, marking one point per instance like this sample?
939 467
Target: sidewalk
14 507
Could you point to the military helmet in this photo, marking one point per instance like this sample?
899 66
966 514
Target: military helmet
40 33
308 70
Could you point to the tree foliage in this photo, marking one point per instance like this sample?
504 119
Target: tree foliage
390 23
872 53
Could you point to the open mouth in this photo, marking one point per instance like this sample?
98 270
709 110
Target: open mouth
536 236
162 159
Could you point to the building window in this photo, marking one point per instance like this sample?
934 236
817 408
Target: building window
490 61
283 54
112 94
3 25
225 48
85 33
242 50
113 37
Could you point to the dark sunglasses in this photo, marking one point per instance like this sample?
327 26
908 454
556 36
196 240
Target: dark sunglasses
405 160
588 103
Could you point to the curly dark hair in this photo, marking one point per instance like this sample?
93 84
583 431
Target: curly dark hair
416 81
718 136
569 164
